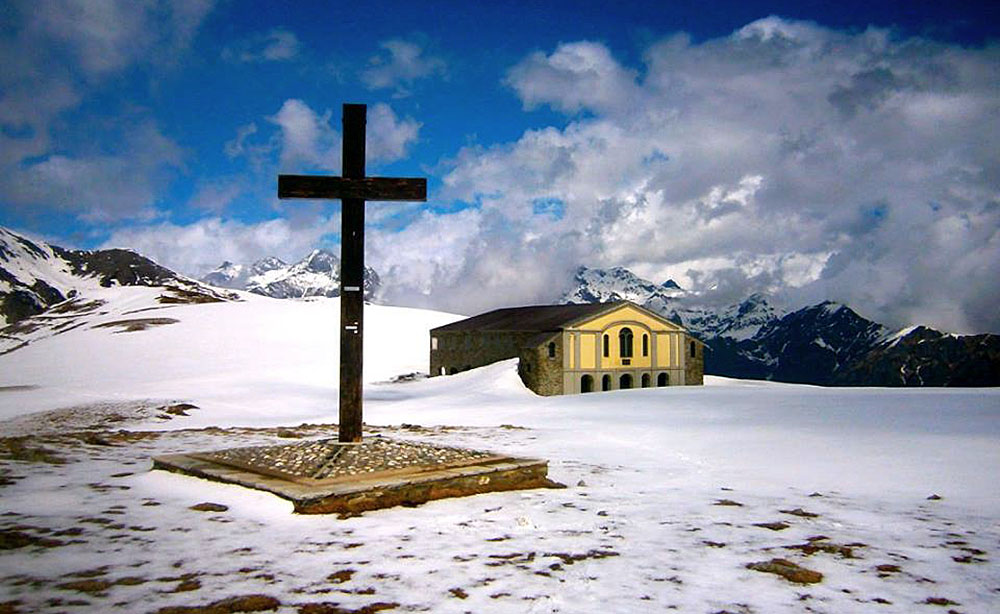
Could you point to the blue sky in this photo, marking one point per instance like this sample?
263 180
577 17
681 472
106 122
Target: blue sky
811 150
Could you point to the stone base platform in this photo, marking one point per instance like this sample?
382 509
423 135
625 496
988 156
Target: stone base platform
328 477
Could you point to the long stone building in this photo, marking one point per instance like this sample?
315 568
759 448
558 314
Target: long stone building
568 349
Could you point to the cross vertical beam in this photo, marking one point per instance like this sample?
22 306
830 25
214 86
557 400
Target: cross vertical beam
353 189
352 273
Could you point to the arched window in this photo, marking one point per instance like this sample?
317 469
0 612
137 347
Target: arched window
607 346
662 380
645 344
645 380
625 382
694 350
606 382
625 343
587 383
552 349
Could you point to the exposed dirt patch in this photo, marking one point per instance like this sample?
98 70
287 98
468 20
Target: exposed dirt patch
179 409
25 450
787 570
181 296
90 586
244 603
801 513
728 503
569 559
339 577
814 545
886 570
209 507
333 608
773 526
136 325
11 539
942 601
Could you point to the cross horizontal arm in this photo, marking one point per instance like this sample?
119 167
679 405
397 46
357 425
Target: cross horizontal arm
365 188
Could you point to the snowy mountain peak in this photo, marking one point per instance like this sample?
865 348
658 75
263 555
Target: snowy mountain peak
318 274
266 264
320 261
228 275
614 284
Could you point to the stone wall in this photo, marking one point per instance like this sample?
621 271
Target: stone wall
694 366
540 372
464 350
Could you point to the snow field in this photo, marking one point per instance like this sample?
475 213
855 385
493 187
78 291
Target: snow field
639 528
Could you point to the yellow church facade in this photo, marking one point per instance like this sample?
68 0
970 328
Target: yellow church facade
569 349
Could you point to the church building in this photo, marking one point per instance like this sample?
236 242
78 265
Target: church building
568 349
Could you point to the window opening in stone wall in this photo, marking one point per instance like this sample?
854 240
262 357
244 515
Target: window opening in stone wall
587 383
625 343
434 343
606 383
645 380
607 346
552 349
662 380
645 344
625 382
694 352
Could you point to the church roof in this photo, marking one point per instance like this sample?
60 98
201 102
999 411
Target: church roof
536 318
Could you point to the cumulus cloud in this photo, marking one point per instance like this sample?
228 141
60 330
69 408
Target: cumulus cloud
787 157
105 37
216 196
308 140
197 248
101 187
399 65
576 76
276 45
57 54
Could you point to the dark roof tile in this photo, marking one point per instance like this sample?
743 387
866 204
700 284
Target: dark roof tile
536 318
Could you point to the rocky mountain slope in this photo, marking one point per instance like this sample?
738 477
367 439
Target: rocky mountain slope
46 290
35 276
318 274
827 344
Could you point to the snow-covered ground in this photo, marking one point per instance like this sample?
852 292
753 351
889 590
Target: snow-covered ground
666 487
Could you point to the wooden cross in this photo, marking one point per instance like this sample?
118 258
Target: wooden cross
353 189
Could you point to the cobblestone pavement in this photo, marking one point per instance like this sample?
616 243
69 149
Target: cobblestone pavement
325 459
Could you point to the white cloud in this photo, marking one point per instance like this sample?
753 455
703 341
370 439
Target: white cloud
308 139
278 44
107 36
57 55
197 248
788 157
102 187
399 65
576 76
389 137
216 196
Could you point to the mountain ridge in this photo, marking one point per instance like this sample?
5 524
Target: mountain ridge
35 276
826 344
318 274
